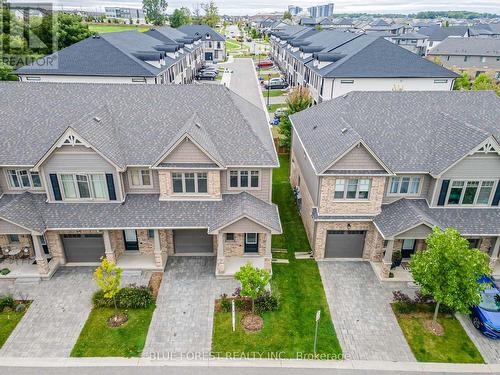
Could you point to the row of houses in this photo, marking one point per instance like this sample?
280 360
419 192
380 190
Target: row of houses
158 56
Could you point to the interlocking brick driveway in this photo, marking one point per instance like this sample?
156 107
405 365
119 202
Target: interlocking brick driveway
359 304
183 319
489 349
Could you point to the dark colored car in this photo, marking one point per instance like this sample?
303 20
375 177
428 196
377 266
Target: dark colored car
275 83
206 75
486 316
265 63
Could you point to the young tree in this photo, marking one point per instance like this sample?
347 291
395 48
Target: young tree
211 17
155 11
108 277
181 16
448 270
253 281
462 82
287 16
299 99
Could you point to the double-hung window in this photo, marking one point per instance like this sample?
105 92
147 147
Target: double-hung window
140 177
23 179
473 192
352 188
189 182
405 185
244 179
83 186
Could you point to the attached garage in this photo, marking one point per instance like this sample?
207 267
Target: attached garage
83 248
192 241
345 244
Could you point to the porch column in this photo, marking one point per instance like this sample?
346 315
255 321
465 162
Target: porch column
41 259
108 249
268 255
220 253
157 249
387 261
495 253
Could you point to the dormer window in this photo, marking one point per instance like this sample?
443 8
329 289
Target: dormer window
23 179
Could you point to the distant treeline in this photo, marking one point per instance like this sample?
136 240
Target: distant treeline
459 14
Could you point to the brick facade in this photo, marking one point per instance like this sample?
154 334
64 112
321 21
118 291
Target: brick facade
236 248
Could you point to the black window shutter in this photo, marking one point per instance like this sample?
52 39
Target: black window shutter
496 197
111 186
55 187
442 193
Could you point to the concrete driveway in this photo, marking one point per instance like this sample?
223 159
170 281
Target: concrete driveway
359 304
183 319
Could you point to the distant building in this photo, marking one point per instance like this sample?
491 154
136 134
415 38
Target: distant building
294 10
125 14
321 10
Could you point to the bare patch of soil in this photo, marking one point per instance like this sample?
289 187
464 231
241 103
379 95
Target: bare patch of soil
434 327
154 283
117 320
252 323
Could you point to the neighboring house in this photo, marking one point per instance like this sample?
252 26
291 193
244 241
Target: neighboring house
321 22
382 26
343 23
376 171
214 44
471 55
436 34
121 57
412 41
136 15
331 63
485 30
135 174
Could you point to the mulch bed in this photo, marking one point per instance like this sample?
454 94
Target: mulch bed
117 320
154 283
434 327
252 323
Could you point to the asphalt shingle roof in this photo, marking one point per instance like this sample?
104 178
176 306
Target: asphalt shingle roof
410 131
201 30
136 122
468 47
405 214
437 33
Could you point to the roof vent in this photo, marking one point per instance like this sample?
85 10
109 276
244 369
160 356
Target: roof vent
97 119
344 96
344 130
197 125
315 126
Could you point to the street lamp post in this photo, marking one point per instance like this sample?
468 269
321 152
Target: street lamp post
268 88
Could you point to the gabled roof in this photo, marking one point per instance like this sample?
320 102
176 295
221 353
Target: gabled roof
437 33
410 131
201 31
138 121
468 47
412 35
23 210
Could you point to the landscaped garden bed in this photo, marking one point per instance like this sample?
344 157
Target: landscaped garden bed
445 341
11 313
289 331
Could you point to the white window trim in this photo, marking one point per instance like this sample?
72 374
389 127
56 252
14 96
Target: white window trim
239 187
31 187
253 242
399 194
465 181
345 199
183 173
141 182
78 199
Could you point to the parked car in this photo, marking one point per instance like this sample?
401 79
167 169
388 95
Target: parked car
265 63
209 67
275 83
214 71
206 75
486 316
282 111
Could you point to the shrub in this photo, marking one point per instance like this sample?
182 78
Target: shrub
266 302
423 298
404 307
6 302
399 296
225 303
20 307
131 297
98 300
242 304
237 292
4 271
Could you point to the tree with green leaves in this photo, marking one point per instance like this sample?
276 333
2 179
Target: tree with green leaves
448 270
253 281
6 72
211 16
181 16
155 11
462 82
484 82
299 99
287 15
108 277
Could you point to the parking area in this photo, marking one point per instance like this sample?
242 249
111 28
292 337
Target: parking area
359 305
489 349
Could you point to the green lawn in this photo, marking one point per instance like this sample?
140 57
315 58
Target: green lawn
110 28
8 321
453 347
274 93
99 340
273 107
290 330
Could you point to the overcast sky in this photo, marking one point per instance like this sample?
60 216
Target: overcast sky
243 7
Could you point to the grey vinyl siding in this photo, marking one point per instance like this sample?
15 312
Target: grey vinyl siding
9 228
309 177
187 152
245 226
424 192
265 183
128 188
491 62
359 159
480 167
422 231
78 159
430 193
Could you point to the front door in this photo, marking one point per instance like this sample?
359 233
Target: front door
131 243
408 248
209 56
251 242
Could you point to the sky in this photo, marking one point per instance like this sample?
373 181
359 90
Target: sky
250 7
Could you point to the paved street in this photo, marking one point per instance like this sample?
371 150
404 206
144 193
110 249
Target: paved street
182 321
489 349
359 304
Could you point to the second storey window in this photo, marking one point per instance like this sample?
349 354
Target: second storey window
23 179
141 177
404 185
244 179
189 182
352 188
470 192
83 186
